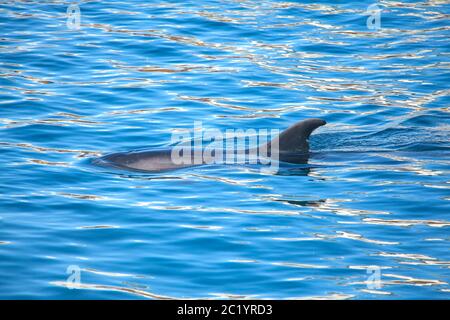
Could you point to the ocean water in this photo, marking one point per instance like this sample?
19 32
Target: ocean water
367 218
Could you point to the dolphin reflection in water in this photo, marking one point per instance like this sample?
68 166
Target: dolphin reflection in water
290 146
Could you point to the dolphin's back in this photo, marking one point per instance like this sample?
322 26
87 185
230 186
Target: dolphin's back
153 160
291 145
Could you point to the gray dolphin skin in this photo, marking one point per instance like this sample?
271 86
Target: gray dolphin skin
291 146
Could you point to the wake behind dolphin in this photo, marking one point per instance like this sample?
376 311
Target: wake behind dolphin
290 146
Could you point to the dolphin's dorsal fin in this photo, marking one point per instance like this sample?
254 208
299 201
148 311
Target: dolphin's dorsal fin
295 138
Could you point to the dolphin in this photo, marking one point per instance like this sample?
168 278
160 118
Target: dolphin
290 146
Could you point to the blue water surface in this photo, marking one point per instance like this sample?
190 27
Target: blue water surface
373 203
